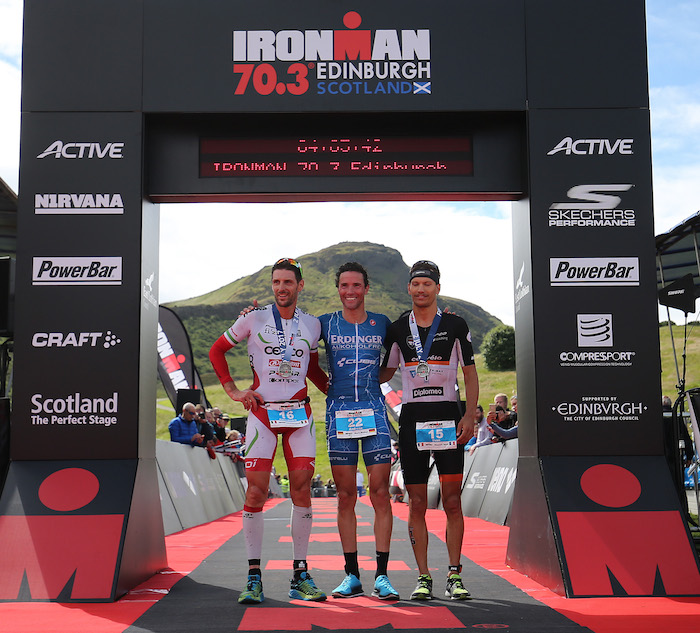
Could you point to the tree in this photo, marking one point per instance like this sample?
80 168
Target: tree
498 348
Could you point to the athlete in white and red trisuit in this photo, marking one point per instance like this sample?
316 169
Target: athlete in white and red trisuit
282 345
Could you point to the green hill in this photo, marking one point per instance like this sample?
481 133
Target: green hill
208 315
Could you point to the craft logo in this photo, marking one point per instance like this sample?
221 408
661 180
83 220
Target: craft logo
74 410
594 330
78 204
105 340
333 62
592 206
77 271
593 147
171 362
594 271
600 409
59 149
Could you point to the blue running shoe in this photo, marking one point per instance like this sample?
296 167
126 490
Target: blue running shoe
304 588
253 593
351 586
383 589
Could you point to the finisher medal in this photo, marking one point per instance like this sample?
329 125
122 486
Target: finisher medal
285 369
423 370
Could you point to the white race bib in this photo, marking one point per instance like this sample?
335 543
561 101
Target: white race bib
356 423
286 415
439 435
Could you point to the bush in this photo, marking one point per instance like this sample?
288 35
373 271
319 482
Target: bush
498 348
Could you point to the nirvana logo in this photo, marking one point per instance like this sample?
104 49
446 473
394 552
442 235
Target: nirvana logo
335 62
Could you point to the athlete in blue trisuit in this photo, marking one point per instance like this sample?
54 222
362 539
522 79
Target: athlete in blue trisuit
356 411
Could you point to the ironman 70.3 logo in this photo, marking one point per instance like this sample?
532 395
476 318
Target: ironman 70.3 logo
335 62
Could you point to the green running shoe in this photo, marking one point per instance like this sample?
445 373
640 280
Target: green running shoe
424 588
253 593
455 589
304 588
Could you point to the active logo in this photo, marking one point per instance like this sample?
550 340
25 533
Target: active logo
592 206
77 271
600 409
78 204
106 340
594 330
593 146
594 271
59 149
75 409
149 298
338 62
522 288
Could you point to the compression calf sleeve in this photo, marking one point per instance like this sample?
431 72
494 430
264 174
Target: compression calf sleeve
302 519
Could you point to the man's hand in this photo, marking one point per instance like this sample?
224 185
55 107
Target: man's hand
247 309
250 399
198 438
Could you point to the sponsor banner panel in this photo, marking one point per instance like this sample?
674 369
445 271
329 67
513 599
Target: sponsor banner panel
595 320
499 492
385 56
77 345
477 479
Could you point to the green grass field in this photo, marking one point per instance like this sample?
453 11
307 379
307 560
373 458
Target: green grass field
490 383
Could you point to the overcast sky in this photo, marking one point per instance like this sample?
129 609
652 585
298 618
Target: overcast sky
468 232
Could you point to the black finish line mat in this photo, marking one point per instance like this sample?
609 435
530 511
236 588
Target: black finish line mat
208 570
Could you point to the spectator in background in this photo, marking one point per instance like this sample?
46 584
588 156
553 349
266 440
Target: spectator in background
498 417
183 428
480 428
501 400
360 482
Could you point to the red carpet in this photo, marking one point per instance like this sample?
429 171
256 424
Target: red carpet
485 545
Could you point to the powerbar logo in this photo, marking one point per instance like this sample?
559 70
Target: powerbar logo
78 204
77 271
339 62
424 392
593 207
594 271
171 362
593 146
74 409
59 149
107 339
600 409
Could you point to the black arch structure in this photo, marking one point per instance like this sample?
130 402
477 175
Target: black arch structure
130 103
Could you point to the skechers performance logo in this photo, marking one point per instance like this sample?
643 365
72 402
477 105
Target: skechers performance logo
78 204
77 271
592 205
59 149
594 271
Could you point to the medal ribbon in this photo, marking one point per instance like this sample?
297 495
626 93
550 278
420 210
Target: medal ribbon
423 353
284 348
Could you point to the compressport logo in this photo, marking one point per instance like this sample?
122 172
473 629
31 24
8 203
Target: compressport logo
592 206
75 409
333 61
77 271
59 149
78 204
104 340
600 409
593 147
594 330
594 271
